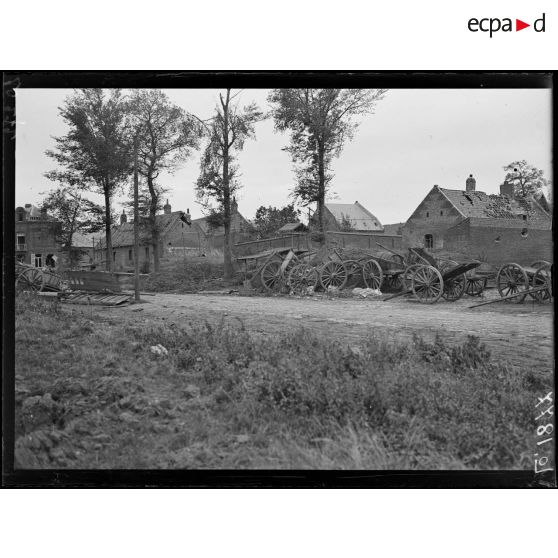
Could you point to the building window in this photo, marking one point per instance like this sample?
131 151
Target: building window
114 256
524 233
524 217
21 242
441 213
428 241
20 216
130 256
428 214
147 252
38 260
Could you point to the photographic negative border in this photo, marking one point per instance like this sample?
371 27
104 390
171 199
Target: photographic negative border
224 478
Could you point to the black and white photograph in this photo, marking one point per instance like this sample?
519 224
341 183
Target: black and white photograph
353 277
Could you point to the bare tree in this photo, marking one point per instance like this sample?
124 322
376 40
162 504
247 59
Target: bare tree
226 133
95 153
166 136
319 121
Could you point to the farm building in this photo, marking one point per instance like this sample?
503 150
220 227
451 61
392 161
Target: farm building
36 241
492 227
172 226
210 238
292 228
348 217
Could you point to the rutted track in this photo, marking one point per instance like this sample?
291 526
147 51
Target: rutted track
521 334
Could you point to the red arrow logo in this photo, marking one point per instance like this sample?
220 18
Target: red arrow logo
519 25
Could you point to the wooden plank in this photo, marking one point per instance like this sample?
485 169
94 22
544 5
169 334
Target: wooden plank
521 293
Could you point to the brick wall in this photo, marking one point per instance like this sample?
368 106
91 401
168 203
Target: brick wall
39 239
499 245
366 241
433 216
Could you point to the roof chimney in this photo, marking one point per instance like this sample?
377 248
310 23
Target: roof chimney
123 218
167 208
470 184
507 189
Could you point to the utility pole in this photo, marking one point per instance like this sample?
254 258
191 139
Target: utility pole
136 224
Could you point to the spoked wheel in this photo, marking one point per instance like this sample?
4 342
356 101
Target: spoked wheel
354 273
30 280
271 276
407 275
454 288
475 285
394 282
512 279
539 263
543 278
427 284
303 278
373 275
333 274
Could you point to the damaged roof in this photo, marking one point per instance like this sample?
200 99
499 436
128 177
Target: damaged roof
494 206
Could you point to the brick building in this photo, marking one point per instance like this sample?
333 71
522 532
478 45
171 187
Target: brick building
496 228
36 242
178 232
173 225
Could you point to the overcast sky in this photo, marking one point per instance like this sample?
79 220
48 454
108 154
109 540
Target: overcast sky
415 139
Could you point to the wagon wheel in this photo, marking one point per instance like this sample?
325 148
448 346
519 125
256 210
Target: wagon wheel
30 280
395 282
372 274
333 274
407 275
543 278
354 273
475 285
512 279
539 263
302 277
271 275
427 284
454 288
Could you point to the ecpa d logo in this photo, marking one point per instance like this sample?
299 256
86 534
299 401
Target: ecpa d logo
492 25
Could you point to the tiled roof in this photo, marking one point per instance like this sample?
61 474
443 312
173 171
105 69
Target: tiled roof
359 217
481 205
290 227
237 223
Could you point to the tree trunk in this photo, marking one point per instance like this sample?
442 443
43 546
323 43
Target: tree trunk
227 248
153 223
321 190
108 224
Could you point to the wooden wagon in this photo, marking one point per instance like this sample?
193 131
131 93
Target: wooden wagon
36 279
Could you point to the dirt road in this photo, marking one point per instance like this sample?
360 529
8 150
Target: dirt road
519 333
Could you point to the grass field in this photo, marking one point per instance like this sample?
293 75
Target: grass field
90 393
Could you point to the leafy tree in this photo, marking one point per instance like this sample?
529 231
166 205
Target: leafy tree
226 133
166 136
76 214
270 219
527 179
95 154
319 122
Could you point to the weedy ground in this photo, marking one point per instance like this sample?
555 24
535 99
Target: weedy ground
91 394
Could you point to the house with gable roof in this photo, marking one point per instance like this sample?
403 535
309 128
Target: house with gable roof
353 216
497 228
